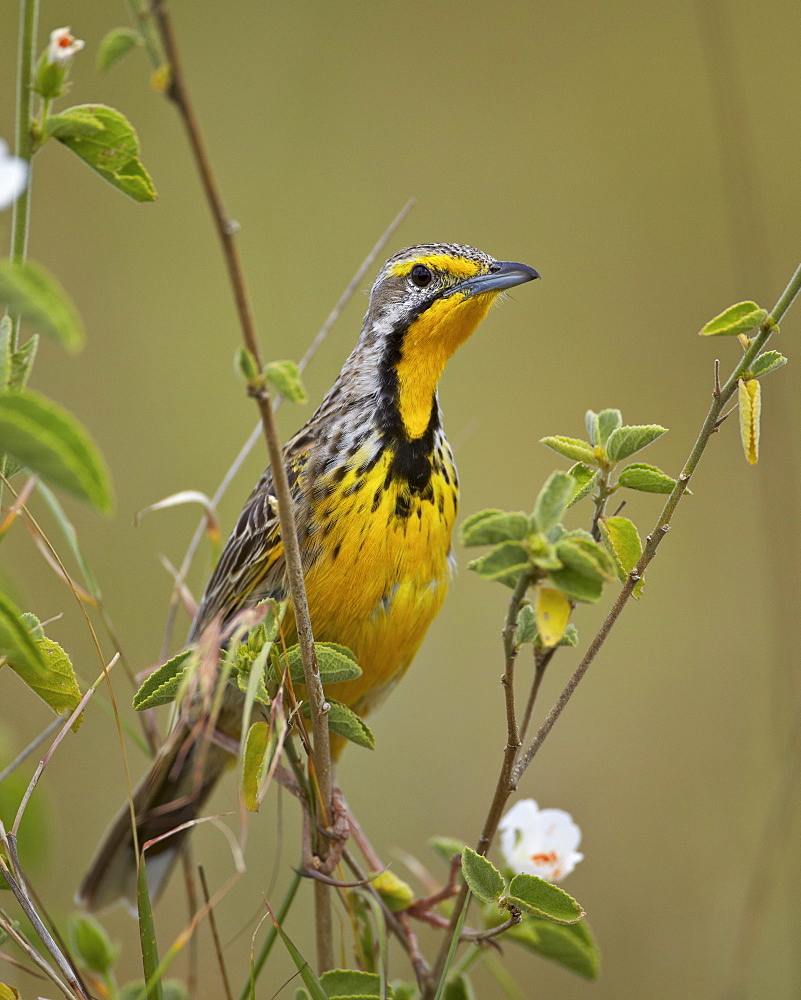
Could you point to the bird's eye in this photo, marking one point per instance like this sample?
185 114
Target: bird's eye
421 275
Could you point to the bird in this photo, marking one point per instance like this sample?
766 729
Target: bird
375 493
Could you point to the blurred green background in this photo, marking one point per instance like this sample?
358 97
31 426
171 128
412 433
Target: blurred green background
644 157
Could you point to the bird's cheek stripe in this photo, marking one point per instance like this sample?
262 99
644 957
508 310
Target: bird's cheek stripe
459 267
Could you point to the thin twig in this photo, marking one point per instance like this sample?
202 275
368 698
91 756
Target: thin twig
541 661
178 93
29 749
214 934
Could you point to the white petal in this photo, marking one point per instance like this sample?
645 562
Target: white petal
13 176
559 830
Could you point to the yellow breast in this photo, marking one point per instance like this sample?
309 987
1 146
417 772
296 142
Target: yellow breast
381 570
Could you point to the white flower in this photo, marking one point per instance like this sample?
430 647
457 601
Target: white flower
13 176
62 46
540 842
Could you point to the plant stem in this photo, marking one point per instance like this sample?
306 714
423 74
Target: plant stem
178 93
662 526
502 788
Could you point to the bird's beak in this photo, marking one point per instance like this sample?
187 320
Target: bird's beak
502 274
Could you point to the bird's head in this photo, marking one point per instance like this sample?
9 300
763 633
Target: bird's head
426 301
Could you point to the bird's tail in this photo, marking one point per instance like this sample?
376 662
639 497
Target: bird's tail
172 792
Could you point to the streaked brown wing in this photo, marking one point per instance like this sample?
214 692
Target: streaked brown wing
251 566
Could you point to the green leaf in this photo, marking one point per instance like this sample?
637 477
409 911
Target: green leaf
552 501
33 625
585 556
488 527
585 478
570 638
93 946
21 364
574 448
37 295
113 152
284 377
245 364
622 540
73 122
17 643
58 688
336 663
164 684
147 936
346 723
626 440
459 988
526 625
534 895
646 478
340 984
504 564
485 881
117 44
253 761
446 847
310 981
577 586
569 945
767 362
736 319
48 440
608 421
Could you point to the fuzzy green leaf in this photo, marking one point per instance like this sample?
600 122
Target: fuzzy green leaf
504 564
113 152
585 478
739 318
336 663
534 895
396 893
608 421
626 441
591 423
767 362
573 448
577 586
622 540
646 478
526 625
32 291
284 377
749 397
75 121
345 722
569 945
342 984
485 881
45 438
18 645
164 684
117 44
552 501
488 527
252 763
570 638
584 555
93 946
